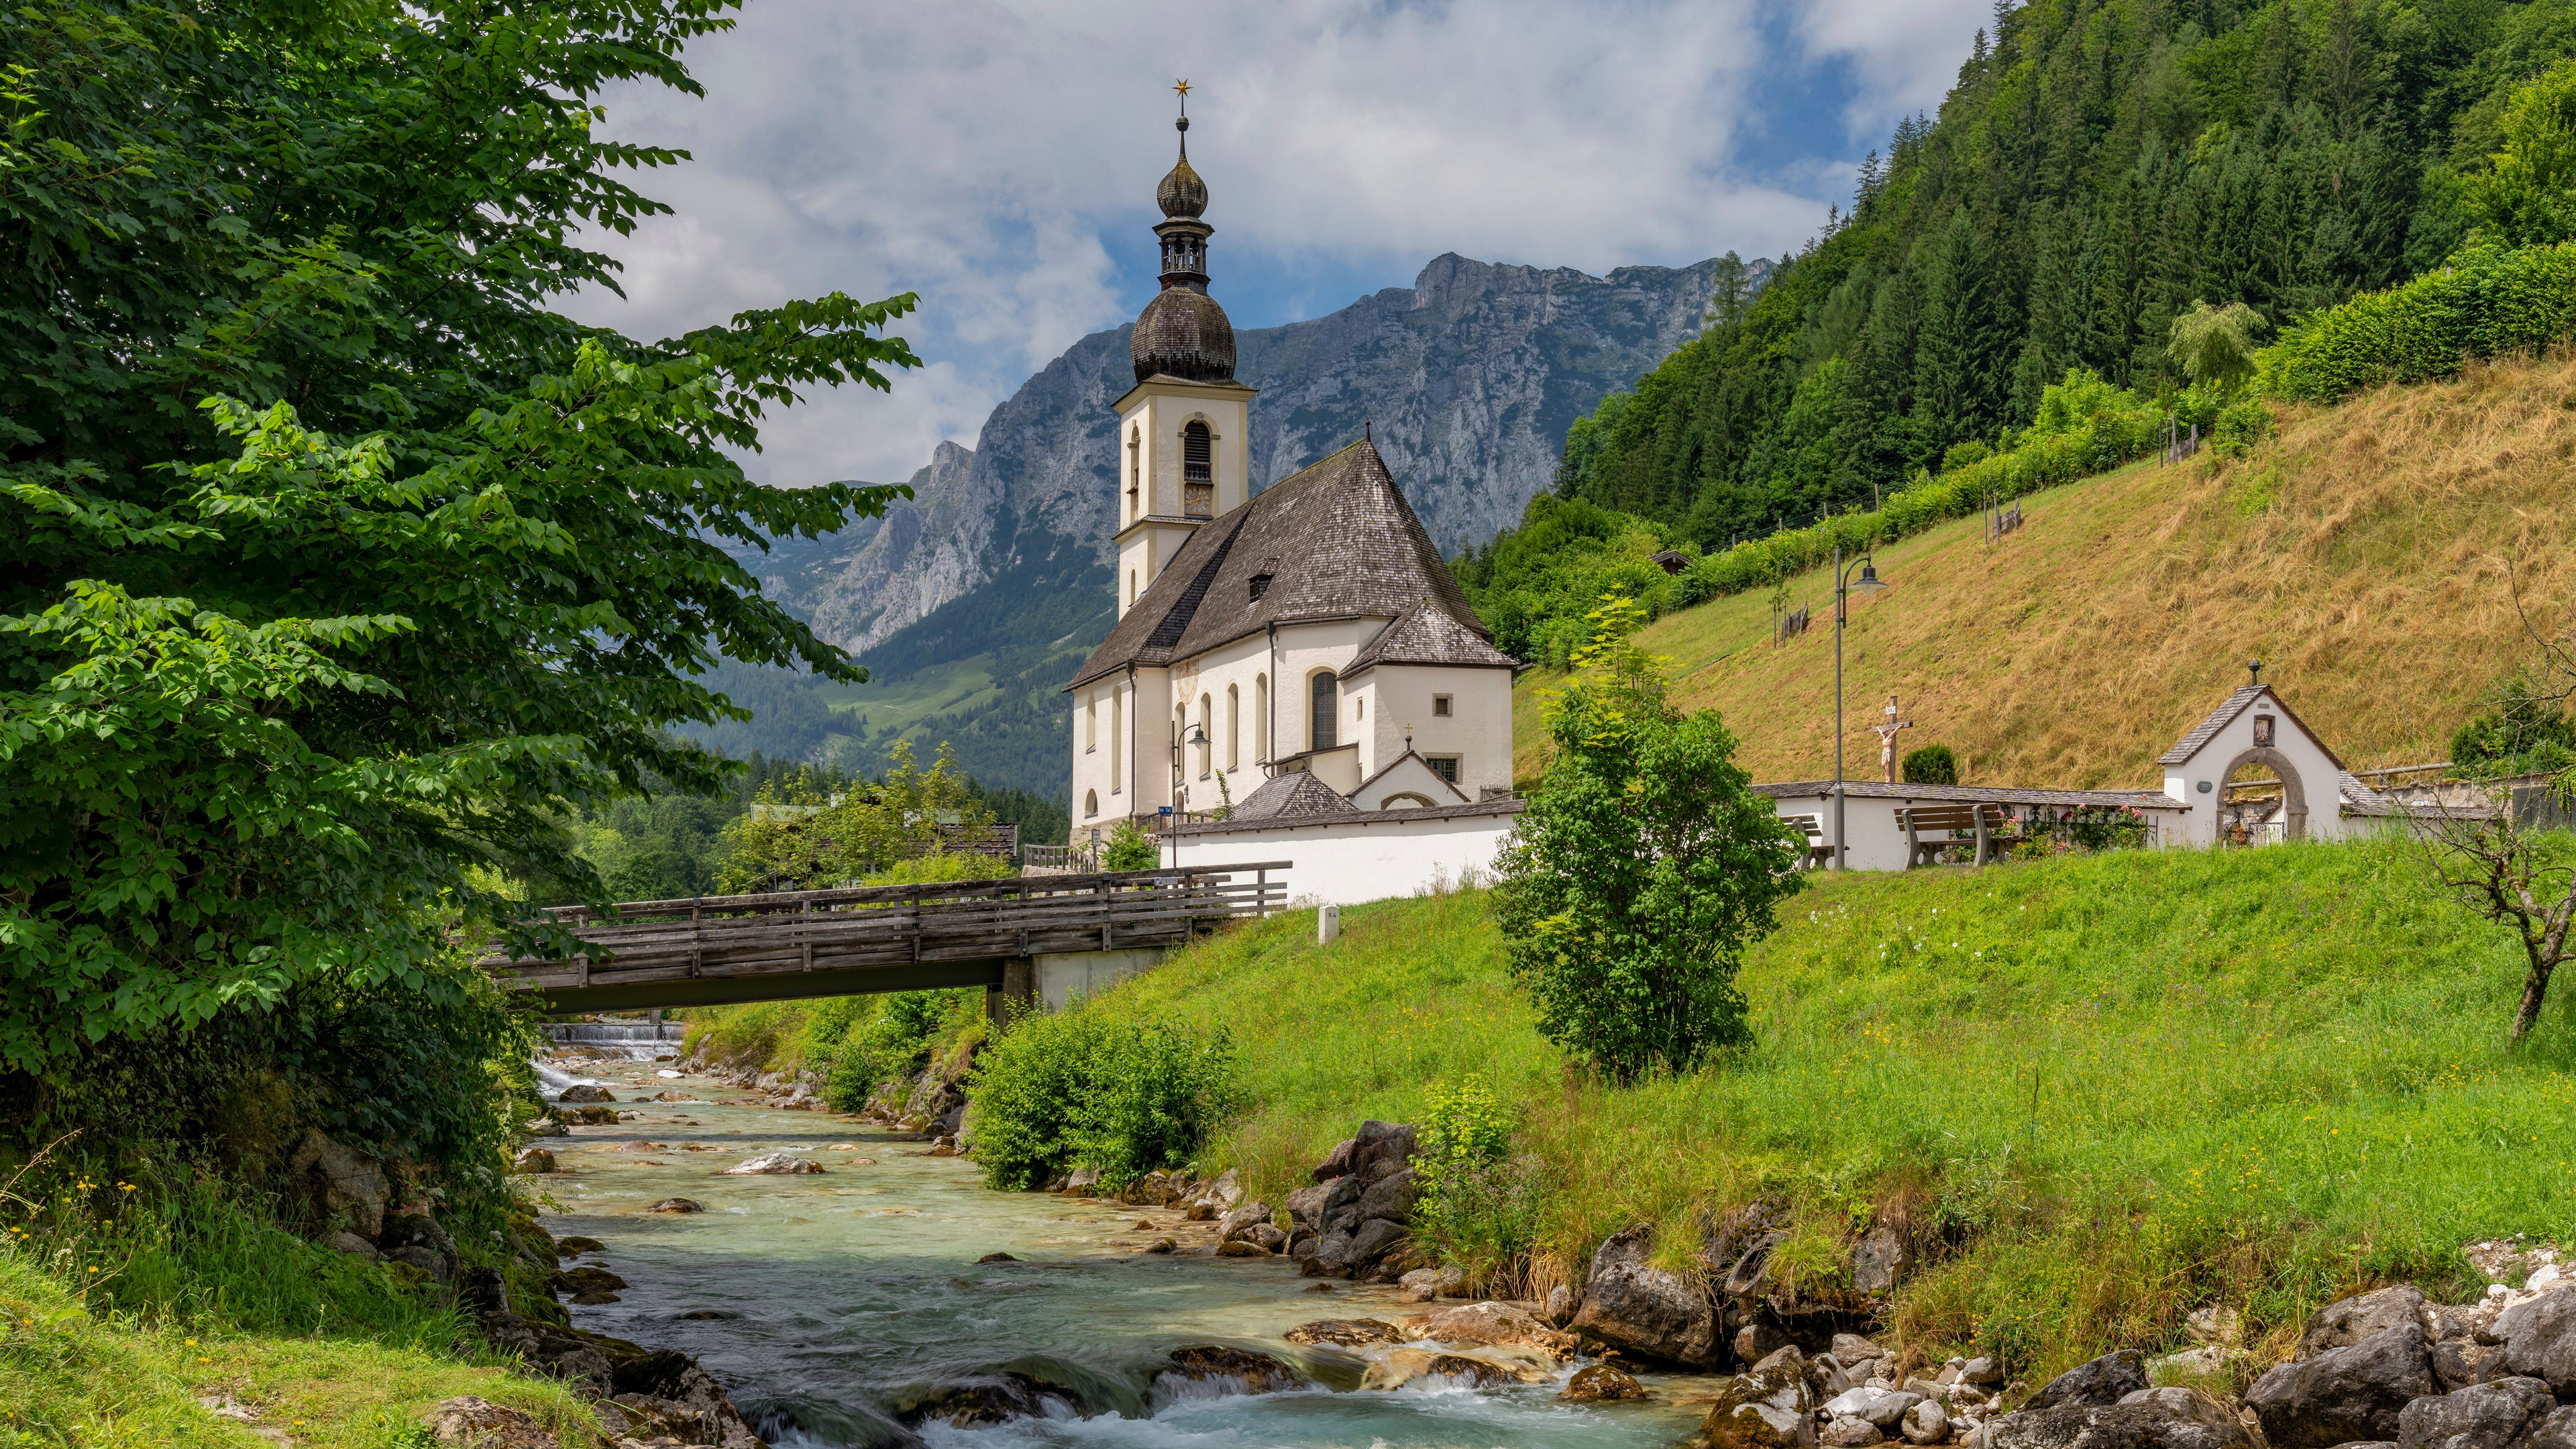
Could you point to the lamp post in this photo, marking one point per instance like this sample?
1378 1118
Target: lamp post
1197 739
1868 583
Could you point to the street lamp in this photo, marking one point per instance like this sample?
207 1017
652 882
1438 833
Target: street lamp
1197 738
1868 583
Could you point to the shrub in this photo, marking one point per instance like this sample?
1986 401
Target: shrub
1131 848
1480 1206
1961 455
1931 765
1061 1089
2239 427
2486 302
1639 871
2522 731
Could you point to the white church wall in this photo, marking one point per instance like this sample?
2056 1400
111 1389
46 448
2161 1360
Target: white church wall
1349 863
1477 730
1304 649
1238 674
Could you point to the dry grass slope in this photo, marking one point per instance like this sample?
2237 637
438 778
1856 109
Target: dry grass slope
2361 552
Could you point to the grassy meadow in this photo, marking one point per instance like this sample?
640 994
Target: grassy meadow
2095 1092
2360 552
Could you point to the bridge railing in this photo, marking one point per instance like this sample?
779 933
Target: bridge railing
862 926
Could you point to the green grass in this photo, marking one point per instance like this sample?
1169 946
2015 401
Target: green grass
2095 1092
123 1315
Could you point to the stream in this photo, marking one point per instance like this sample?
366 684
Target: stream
826 1302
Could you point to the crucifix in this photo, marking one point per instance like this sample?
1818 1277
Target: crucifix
1887 739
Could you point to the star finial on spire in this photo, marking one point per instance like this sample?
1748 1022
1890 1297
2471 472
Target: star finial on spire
1182 87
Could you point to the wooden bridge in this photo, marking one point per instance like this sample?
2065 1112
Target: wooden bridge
708 950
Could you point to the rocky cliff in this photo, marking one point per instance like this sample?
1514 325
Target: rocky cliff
1467 379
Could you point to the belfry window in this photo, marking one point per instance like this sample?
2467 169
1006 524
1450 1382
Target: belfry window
1135 473
1198 471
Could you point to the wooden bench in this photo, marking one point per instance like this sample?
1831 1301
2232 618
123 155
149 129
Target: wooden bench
1818 853
1923 820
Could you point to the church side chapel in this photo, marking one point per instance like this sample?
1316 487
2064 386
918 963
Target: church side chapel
1303 654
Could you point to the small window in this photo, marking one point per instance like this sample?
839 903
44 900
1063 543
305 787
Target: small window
1323 719
1445 766
1440 706
1090 803
1260 586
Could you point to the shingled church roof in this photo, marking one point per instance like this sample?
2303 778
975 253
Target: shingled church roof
1333 541
1428 636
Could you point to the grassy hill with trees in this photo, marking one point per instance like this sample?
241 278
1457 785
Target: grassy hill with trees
2278 1073
2361 550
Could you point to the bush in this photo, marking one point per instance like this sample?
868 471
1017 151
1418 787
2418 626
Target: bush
2239 427
1931 765
1480 1206
1131 848
1063 1089
2486 302
2522 731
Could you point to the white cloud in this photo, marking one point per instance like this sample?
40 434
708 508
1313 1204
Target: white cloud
1904 54
999 157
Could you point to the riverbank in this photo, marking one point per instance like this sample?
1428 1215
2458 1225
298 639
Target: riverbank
865 1303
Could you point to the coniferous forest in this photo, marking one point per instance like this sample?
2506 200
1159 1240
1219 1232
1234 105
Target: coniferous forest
2101 166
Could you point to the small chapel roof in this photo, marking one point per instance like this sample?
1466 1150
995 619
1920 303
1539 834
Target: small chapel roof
1299 795
1335 540
2226 713
1428 636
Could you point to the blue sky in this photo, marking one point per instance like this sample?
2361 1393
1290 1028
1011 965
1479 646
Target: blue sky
998 157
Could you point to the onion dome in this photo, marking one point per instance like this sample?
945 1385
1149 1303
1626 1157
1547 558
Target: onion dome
1185 334
1182 193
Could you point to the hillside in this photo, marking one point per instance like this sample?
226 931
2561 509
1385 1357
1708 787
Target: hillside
2359 553
2208 1048
2099 167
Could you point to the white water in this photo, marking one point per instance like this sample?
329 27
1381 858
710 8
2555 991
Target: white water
843 1294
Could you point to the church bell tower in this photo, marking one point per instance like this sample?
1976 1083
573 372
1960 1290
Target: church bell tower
1183 435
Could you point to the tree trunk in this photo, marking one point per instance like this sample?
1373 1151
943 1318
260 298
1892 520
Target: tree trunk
2535 989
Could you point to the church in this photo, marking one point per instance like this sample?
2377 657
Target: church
1301 654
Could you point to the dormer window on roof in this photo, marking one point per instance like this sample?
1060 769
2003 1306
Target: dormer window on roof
1260 586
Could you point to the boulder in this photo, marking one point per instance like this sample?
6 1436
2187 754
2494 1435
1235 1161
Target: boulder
1562 1304
2217 1324
2539 1337
1225 1192
533 1159
1788 1356
1758 1340
1599 1383
1851 1434
1315 1206
352 1244
1240 1369
343 1180
1419 1286
773 1163
1760 1411
1391 1197
1266 1237
1345 1332
2344 1394
2347 1322
546 1127
417 1239
1478 1324
584 1092
468 1420
2555 1431
1082 1182
1372 1241
1376 1144
1630 1303
2104 1381
1399 1367
2458 1363
1240 1221
591 1116
1981 1371
677 1205
1926 1423
2147 1419
1241 1248
1878 1259
2482 1416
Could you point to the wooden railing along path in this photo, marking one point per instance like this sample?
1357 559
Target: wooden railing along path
784 945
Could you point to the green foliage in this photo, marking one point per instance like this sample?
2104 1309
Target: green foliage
2487 302
2239 426
1640 870
1930 765
1480 1206
1079 1088
813 836
1533 584
2527 194
2524 730
1130 847
2085 828
333 563
2214 346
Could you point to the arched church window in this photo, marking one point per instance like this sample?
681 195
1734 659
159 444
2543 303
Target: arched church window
1324 718
1090 803
1198 471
